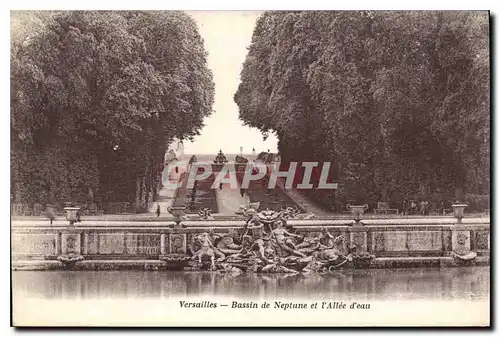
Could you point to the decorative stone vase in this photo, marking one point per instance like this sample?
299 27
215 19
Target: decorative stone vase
71 214
357 211
178 212
458 211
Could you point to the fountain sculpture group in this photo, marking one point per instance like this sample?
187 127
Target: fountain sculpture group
267 244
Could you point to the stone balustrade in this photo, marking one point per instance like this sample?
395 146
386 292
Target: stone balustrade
394 242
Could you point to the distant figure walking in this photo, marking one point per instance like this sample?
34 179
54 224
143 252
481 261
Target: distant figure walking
413 207
220 186
158 211
50 215
405 207
78 216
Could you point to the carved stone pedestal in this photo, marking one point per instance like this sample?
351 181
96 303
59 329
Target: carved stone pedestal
71 248
177 243
358 236
460 238
461 246
71 243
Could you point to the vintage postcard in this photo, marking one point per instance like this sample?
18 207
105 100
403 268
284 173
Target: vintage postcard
250 168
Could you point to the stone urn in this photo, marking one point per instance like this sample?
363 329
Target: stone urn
71 214
458 211
178 212
357 211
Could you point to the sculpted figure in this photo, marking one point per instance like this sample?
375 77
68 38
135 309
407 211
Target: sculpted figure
243 254
194 246
461 252
227 246
246 244
289 212
253 205
248 209
214 240
309 245
339 244
252 220
269 217
333 253
205 244
241 210
213 236
206 249
206 213
326 238
270 249
285 239
257 231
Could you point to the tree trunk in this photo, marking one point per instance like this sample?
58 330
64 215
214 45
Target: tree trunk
137 193
91 194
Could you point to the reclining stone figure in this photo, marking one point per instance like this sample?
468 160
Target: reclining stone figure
285 239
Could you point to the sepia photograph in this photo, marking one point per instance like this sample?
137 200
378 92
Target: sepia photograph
309 168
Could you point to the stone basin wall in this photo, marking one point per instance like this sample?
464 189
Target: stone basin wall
114 244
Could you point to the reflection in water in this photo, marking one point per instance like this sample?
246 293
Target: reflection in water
449 283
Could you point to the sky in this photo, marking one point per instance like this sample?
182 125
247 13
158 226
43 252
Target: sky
227 34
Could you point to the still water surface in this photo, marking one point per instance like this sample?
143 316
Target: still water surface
396 284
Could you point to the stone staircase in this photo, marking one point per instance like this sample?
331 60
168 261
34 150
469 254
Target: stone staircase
307 205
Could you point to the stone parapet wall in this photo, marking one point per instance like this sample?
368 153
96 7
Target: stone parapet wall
392 240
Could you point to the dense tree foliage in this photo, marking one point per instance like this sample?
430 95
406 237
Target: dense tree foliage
398 101
96 97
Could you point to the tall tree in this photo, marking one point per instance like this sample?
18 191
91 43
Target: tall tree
398 100
96 96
